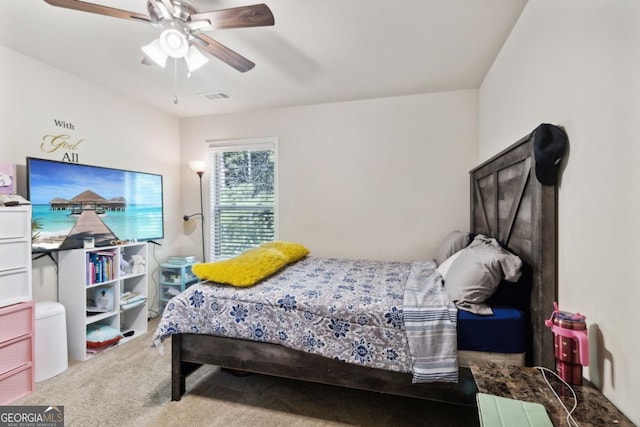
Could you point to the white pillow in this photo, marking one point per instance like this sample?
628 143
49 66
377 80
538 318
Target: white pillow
443 268
477 273
454 241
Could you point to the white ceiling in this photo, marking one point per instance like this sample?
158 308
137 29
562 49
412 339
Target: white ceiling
318 51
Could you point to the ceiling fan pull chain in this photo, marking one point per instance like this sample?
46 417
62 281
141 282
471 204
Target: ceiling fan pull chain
175 81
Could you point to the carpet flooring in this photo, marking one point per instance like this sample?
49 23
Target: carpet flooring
130 385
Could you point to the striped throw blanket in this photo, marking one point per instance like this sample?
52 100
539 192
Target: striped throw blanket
430 322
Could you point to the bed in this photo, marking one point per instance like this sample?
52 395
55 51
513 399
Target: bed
507 204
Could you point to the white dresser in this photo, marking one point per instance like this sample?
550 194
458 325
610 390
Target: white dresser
15 254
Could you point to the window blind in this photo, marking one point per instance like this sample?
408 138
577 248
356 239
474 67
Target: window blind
243 198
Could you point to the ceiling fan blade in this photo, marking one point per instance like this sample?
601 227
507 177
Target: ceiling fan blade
223 53
258 15
99 9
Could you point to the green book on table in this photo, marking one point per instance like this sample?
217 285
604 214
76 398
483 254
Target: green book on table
496 411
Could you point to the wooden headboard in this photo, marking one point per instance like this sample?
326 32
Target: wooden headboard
509 204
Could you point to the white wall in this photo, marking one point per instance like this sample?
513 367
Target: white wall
576 63
117 133
377 179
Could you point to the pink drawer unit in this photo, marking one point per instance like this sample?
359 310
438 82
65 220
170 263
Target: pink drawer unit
16 384
16 353
16 320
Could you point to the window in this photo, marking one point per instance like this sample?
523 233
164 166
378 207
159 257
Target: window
243 195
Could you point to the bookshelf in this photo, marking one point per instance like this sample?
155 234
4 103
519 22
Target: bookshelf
96 291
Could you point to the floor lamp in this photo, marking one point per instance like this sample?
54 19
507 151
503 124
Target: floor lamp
198 166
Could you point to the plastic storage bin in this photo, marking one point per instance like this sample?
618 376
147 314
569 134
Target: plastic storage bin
51 340
175 278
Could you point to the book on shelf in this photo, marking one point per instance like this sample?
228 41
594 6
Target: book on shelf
100 267
128 299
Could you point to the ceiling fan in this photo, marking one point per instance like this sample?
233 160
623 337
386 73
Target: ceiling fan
182 25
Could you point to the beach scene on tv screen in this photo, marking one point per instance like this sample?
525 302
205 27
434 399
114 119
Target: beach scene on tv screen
72 202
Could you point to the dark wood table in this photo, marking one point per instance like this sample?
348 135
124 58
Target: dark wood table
528 384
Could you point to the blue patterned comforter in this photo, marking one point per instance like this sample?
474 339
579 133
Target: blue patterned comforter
348 310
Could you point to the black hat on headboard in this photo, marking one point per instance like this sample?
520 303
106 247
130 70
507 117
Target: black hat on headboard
549 145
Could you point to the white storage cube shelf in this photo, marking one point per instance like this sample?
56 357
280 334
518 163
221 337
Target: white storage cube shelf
81 280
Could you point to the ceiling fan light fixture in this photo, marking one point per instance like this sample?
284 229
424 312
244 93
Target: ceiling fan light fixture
155 52
195 59
174 43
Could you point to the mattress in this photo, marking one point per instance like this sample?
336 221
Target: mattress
503 332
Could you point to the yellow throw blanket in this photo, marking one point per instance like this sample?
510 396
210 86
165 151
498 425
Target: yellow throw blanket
252 265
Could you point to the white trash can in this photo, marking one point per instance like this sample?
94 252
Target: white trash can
51 356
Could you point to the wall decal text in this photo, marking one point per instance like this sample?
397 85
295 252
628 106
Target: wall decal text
63 124
60 143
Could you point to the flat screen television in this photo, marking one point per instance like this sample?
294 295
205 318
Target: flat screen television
73 201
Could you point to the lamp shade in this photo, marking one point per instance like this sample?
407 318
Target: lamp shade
174 43
198 166
195 59
154 52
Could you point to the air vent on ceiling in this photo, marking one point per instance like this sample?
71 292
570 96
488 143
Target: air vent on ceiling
215 95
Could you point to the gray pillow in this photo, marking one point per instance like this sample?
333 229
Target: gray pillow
454 241
476 273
